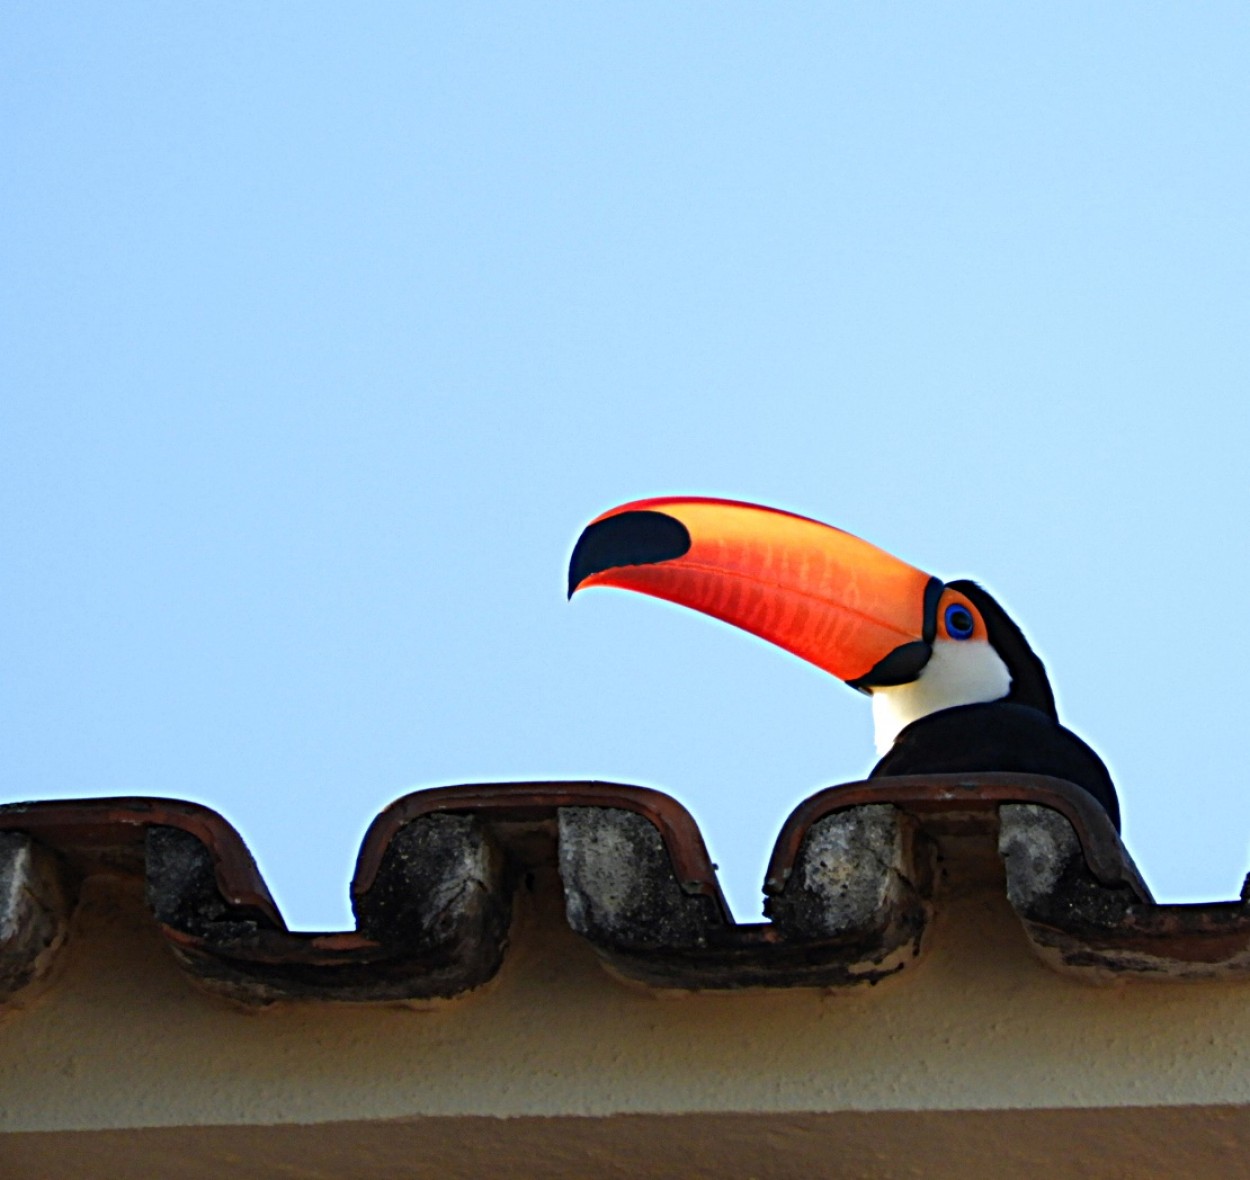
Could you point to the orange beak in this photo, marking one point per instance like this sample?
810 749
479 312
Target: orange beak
828 597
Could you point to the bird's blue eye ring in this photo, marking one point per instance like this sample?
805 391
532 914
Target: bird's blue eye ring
959 621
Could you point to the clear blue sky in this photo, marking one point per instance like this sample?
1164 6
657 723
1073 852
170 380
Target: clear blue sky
325 328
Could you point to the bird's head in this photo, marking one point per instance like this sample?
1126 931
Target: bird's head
915 643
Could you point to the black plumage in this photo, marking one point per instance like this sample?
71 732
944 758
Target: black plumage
998 736
1020 733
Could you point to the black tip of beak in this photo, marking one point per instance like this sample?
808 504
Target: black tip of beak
630 538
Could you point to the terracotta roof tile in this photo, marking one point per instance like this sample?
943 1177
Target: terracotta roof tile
856 873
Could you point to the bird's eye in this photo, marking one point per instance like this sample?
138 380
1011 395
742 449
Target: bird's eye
959 624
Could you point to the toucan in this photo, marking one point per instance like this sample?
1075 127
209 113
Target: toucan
955 686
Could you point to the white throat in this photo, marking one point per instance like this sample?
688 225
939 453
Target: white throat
957 674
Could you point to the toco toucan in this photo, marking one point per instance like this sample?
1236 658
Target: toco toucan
955 686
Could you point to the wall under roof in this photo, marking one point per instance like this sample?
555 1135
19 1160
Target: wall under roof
121 1038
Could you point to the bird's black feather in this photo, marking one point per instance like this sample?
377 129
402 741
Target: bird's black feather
999 736
1029 683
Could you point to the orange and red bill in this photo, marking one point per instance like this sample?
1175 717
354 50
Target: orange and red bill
814 590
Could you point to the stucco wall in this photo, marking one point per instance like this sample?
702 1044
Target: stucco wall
1123 1143
121 1038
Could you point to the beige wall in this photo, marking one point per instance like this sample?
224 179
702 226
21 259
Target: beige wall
121 1038
1125 1143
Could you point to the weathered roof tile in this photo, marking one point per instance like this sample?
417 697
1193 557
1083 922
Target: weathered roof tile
855 876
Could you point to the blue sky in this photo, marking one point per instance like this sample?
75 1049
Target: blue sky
325 328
